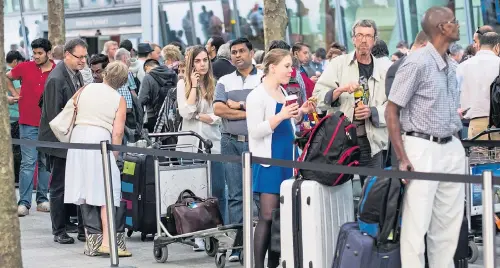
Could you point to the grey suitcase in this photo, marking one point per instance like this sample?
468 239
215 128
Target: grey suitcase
311 215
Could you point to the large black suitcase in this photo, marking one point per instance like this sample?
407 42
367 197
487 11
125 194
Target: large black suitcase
461 257
138 190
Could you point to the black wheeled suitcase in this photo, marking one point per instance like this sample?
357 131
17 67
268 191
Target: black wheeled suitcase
138 190
461 258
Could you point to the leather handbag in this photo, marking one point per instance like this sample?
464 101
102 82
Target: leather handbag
192 213
62 125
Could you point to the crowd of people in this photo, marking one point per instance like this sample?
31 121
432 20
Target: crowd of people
235 96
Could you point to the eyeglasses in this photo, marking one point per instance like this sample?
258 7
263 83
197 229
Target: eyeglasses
368 37
82 58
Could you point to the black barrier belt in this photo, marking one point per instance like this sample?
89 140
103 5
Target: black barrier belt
267 161
364 171
128 149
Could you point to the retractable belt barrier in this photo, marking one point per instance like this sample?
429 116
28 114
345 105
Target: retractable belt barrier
487 181
364 171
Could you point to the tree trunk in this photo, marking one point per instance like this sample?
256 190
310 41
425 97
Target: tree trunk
57 31
275 20
10 235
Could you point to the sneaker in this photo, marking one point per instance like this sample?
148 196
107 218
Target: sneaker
200 243
22 211
43 207
235 256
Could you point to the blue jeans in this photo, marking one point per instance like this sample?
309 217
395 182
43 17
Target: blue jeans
234 179
30 156
219 188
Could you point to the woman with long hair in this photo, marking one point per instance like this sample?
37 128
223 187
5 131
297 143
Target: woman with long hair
271 134
195 96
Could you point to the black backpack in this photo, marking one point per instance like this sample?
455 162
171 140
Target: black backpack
169 122
165 90
495 103
380 209
332 141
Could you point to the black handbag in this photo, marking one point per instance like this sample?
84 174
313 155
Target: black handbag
275 231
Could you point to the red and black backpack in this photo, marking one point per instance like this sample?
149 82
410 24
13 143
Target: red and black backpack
332 141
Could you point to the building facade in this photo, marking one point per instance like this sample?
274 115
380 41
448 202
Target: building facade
315 22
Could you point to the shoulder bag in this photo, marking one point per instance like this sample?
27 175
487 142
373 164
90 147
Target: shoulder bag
62 125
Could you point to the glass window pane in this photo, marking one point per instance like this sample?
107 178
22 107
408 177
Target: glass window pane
251 17
179 26
97 3
312 22
126 1
72 4
11 6
383 12
415 9
209 20
35 5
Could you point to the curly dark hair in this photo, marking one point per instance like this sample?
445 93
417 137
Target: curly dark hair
42 43
99 58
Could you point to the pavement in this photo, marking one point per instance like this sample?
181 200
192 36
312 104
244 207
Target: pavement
39 250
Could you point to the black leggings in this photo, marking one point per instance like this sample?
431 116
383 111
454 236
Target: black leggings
262 236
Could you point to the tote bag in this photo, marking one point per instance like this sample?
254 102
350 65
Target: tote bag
62 125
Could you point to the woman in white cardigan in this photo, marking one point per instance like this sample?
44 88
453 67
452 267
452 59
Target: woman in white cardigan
271 135
195 95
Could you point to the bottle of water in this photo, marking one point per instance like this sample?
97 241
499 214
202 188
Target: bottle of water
171 115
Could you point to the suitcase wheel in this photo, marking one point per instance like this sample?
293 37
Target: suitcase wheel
473 252
161 254
241 259
220 260
211 246
143 237
129 233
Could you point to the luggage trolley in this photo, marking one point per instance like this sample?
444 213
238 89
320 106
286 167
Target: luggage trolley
172 176
478 160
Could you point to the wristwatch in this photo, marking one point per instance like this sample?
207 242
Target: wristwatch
197 117
242 105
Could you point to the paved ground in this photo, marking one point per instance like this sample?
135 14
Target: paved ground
39 251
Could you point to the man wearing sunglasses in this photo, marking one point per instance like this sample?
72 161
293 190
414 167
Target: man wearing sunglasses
61 85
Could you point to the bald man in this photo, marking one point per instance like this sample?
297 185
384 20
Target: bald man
58 53
480 32
423 123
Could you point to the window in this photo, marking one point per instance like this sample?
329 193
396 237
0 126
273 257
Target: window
306 27
415 9
97 3
383 12
71 4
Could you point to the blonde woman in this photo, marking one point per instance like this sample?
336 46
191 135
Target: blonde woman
101 116
195 96
271 135
171 56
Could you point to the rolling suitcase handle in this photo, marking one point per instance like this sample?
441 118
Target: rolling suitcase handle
206 142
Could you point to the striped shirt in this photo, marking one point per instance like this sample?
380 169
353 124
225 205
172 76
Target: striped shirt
425 87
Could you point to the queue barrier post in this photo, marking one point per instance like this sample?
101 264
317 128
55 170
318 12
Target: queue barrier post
247 210
488 221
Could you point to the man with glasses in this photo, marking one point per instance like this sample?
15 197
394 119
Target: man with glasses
423 124
61 85
33 75
358 71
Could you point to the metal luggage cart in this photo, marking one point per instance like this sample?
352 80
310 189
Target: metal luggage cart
196 176
477 160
